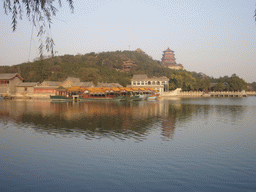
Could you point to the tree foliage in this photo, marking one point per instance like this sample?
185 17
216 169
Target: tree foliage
233 83
252 86
188 81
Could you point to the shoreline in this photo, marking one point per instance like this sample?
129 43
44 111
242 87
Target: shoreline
189 94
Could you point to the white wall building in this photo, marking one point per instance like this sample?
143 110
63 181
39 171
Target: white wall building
159 83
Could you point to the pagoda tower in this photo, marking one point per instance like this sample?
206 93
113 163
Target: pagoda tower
168 60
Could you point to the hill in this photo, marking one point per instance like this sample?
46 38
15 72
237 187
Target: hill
101 67
108 67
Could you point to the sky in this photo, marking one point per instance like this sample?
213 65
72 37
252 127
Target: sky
215 37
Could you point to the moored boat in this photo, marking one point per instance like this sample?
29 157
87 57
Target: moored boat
136 98
152 97
60 98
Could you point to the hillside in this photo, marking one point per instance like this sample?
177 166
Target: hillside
108 67
102 67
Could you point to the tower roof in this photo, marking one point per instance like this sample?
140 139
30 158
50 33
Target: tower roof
168 50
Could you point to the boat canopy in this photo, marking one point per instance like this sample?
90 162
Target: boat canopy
74 89
60 88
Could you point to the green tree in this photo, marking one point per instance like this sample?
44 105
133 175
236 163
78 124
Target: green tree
181 79
219 87
90 74
237 84
253 86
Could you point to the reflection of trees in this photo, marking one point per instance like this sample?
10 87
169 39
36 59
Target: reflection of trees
92 119
98 119
175 113
96 125
180 113
233 112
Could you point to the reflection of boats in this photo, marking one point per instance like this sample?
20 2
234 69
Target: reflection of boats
142 97
60 98
120 98
130 98
136 98
152 97
77 98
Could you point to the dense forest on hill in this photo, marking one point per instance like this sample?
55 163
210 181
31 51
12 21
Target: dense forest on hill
108 67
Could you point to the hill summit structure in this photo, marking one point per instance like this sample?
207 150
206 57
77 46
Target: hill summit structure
168 60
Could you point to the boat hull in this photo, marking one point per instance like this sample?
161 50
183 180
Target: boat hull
152 97
60 98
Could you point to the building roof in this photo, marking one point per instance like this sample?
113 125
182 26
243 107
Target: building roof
75 88
140 76
9 76
61 88
73 79
28 84
144 77
163 78
70 81
94 90
84 84
129 62
50 83
109 85
168 50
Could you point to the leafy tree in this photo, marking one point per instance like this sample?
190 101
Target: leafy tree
237 84
253 86
90 74
181 79
39 13
219 87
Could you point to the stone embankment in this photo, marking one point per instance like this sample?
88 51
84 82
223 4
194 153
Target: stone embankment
191 94
251 93
214 94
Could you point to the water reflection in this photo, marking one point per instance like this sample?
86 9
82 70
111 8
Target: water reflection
96 119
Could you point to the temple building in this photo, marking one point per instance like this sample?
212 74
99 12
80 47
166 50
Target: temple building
168 60
128 65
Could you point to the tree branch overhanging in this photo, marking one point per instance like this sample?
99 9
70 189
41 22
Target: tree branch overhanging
39 13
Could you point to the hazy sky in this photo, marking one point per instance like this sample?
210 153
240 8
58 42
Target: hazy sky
216 37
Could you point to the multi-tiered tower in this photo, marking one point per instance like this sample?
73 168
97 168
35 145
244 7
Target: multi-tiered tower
168 60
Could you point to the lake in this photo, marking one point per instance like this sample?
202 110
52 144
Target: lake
199 144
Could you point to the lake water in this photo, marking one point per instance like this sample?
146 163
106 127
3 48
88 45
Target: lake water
167 145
